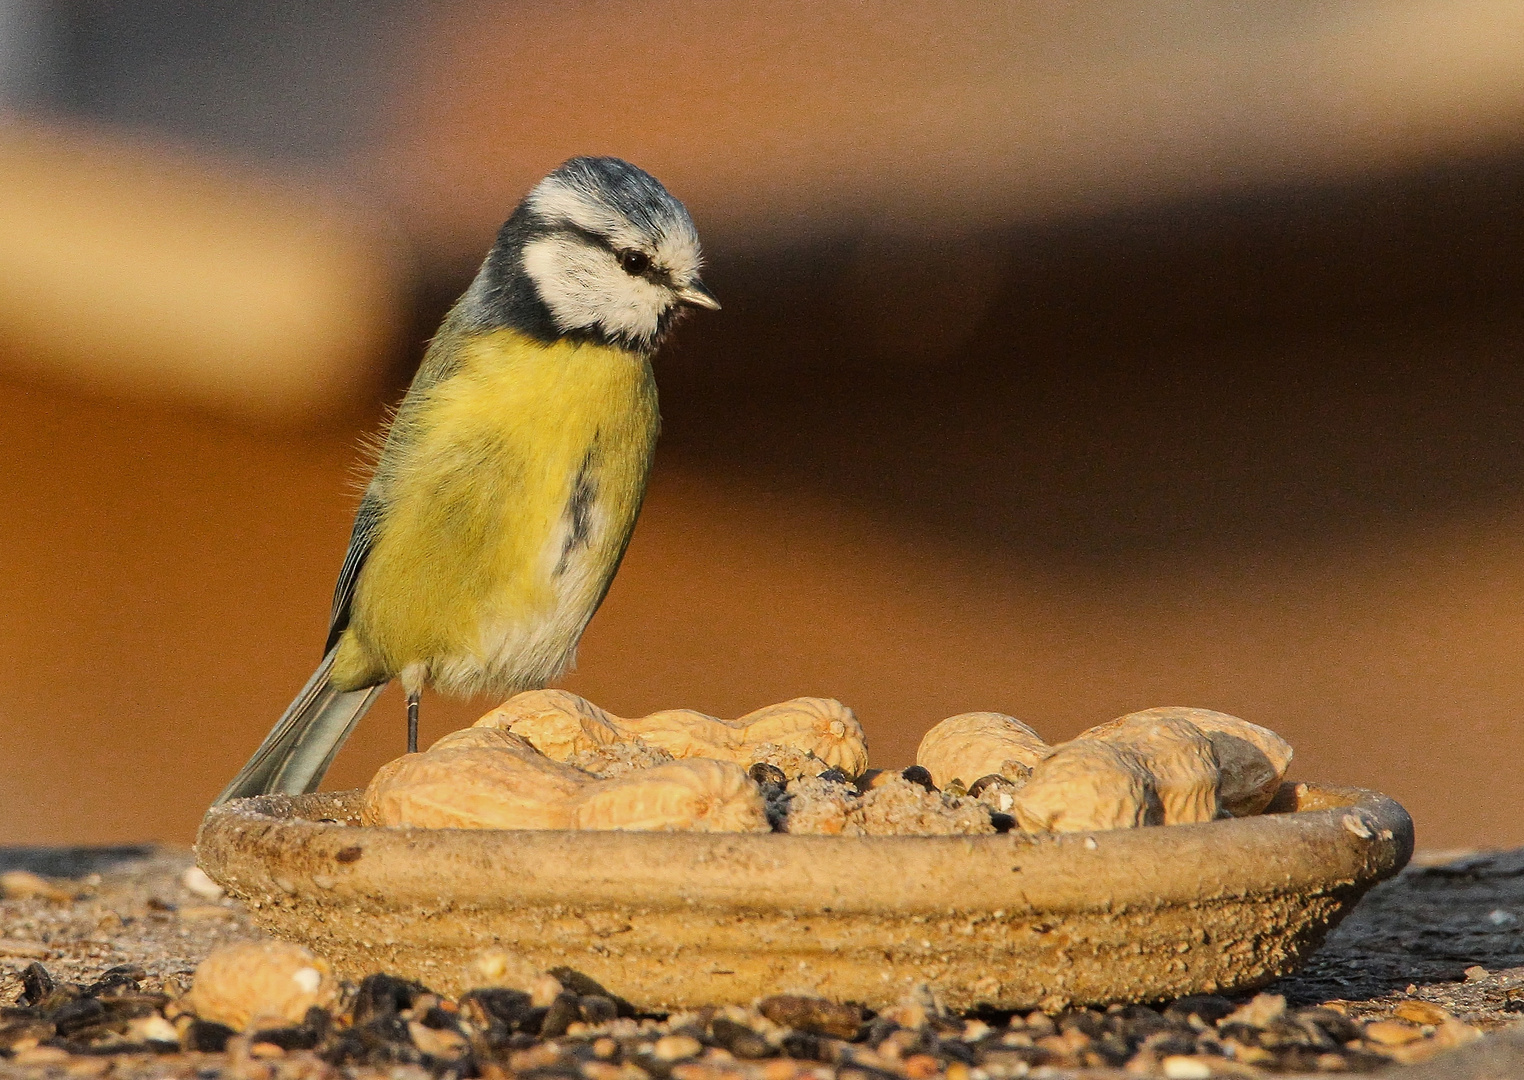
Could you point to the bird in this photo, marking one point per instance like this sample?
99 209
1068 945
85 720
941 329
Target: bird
506 488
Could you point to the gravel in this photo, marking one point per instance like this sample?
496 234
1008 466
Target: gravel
97 945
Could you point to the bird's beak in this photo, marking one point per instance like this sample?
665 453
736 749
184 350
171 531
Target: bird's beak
696 294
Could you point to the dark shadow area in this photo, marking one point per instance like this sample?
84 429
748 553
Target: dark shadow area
1427 925
1227 375
72 862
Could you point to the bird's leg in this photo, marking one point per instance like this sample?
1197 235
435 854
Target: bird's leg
412 722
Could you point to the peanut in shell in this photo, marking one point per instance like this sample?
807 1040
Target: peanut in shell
1177 755
559 724
1252 760
972 745
1085 785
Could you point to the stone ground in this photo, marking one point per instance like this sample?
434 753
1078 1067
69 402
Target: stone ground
1449 932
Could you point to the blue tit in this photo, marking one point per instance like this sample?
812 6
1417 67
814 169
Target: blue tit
508 484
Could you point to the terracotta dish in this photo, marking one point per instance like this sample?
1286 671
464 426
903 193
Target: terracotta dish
679 920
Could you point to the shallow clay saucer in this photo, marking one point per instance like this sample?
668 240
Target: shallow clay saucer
679 920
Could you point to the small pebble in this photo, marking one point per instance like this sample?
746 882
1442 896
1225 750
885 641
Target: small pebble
1179 1067
439 1043
196 881
25 885
920 1066
544 989
597 1009
975 1031
560 1015
1391 1033
1259 1012
1421 1012
539 1056
41 1055
676 1047
739 1039
1039 1024
152 1028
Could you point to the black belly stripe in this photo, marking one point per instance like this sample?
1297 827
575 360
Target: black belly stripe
579 510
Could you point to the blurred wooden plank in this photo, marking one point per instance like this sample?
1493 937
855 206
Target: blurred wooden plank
128 268
780 117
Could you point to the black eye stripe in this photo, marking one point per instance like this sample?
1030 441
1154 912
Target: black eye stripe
658 274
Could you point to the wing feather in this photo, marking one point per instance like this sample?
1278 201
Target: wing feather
361 537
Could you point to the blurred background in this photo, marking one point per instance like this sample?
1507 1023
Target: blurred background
1076 358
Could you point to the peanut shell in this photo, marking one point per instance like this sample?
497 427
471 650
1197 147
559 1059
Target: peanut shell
972 745
820 726
488 778
1178 756
273 981
479 778
1087 784
559 725
696 796
1252 760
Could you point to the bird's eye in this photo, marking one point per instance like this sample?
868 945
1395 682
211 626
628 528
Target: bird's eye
634 263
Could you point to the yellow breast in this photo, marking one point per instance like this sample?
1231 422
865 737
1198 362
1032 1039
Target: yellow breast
510 489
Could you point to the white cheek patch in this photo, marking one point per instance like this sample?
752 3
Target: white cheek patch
584 287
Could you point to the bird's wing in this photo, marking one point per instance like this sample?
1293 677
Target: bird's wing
441 360
367 520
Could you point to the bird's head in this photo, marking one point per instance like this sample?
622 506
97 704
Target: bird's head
598 249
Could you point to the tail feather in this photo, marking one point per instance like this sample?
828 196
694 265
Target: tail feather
301 746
